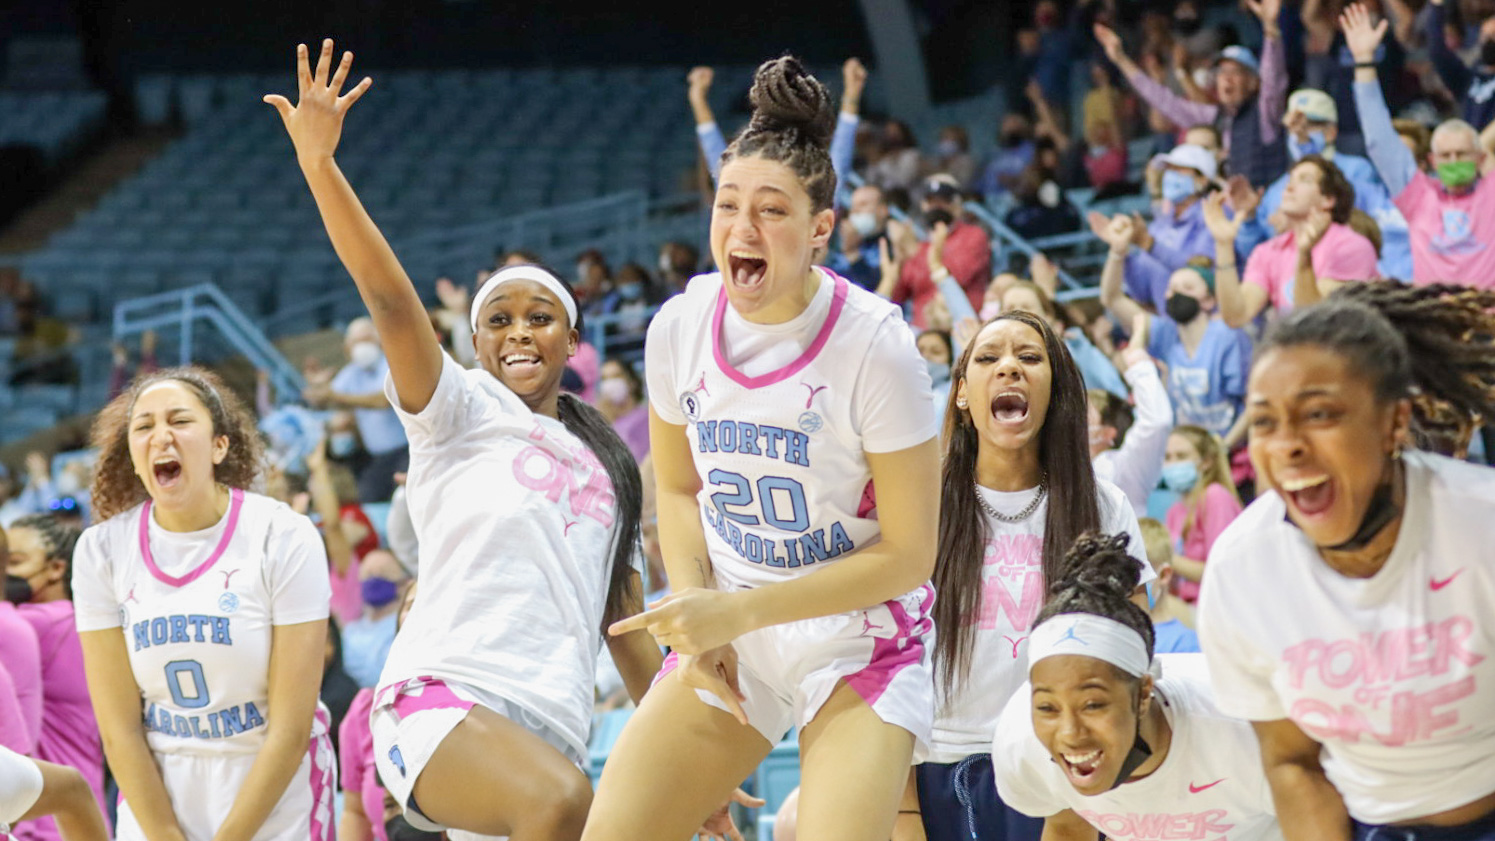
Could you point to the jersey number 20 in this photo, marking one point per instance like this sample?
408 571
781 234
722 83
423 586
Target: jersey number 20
775 495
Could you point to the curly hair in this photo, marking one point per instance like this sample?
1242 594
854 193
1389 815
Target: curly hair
1098 577
116 487
792 123
1333 184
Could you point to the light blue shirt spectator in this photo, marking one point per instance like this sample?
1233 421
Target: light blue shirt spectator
380 429
1174 637
1175 241
1207 388
366 645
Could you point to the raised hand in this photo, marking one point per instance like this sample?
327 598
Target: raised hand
698 83
1312 229
1266 11
1359 35
1044 273
1244 199
451 296
937 239
1098 223
1120 232
1111 43
1136 346
1223 228
315 122
854 76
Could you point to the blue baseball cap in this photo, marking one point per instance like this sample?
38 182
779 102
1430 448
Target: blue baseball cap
1240 55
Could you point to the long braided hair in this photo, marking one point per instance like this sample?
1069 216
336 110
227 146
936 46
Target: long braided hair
792 123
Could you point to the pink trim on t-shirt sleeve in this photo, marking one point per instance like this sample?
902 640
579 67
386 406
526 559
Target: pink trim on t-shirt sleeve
838 301
236 502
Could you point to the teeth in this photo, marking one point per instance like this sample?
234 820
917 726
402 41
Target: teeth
1292 485
514 357
1081 758
746 255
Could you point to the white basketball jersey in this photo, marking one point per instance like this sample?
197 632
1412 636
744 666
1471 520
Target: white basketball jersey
197 611
785 483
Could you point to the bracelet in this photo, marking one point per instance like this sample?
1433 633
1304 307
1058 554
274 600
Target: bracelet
1220 266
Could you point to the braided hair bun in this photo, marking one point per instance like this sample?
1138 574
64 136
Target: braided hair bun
1098 577
790 102
793 120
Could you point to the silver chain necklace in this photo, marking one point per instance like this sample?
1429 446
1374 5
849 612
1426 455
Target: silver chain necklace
1043 490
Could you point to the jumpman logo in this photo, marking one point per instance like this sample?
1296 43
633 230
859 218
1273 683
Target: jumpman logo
1015 643
814 390
701 385
226 576
131 596
1070 635
867 626
569 524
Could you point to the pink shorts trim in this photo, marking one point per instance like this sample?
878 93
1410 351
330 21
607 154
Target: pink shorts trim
321 777
418 695
892 655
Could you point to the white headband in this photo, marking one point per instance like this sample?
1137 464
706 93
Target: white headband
1091 636
513 273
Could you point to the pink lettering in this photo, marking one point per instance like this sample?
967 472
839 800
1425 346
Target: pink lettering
1389 657
1014 555
995 599
1415 716
590 494
1160 826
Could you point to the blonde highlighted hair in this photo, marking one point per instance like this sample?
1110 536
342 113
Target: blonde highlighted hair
1214 469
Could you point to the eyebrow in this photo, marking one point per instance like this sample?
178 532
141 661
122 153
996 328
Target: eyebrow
145 413
766 188
1305 394
538 299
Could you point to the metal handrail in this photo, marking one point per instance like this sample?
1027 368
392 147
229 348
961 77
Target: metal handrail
182 308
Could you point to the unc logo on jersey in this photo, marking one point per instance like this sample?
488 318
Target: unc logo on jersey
690 405
397 759
810 421
228 602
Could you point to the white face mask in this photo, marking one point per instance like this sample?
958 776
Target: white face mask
365 354
613 390
865 223
664 263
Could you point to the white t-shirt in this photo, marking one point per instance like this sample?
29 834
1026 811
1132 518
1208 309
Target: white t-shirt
197 611
780 417
1012 594
1393 674
20 787
1137 464
1210 786
514 517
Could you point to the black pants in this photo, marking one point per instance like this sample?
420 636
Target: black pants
1479 829
376 481
959 802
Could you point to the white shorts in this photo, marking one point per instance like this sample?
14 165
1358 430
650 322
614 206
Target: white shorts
788 672
202 789
411 718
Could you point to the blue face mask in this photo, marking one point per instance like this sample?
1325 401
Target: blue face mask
631 291
341 444
1315 145
1180 476
378 592
1177 186
938 371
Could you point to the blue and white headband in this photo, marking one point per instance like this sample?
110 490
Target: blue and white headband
513 273
1090 636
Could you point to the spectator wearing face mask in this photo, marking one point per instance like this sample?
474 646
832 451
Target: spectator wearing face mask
366 640
1177 233
953 155
1041 210
1312 122
938 352
1195 468
620 399
360 386
1206 359
346 530
631 300
956 249
863 231
1473 85
677 265
1251 96
1451 217
1015 151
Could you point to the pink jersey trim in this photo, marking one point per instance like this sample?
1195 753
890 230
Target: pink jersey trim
838 302
236 502
892 655
423 694
671 662
321 778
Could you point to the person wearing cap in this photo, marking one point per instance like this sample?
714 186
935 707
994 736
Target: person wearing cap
865 227
1251 97
1177 233
1450 217
955 249
1317 245
1473 85
1312 123
1106 737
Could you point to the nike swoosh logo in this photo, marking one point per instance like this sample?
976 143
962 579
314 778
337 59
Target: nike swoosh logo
1439 585
1193 789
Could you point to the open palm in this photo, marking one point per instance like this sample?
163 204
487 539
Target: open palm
315 122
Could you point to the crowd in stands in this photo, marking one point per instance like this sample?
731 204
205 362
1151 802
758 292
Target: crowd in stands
1289 150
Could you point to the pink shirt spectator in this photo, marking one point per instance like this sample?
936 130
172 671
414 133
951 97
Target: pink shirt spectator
1453 237
70 734
20 656
1216 511
1108 168
1341 255
588 365
356 762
